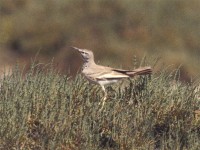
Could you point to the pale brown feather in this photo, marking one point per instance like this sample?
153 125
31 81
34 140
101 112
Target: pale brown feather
132 73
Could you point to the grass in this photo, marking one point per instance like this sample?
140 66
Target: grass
42 109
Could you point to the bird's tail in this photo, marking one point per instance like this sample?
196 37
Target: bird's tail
140 71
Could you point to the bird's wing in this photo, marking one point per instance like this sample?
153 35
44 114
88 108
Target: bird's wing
111 75
138 71
106 73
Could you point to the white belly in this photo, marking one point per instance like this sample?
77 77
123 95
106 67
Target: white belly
105 82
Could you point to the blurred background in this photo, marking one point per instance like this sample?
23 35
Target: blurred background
117 31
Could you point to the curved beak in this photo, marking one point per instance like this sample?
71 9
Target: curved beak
75 48
78 49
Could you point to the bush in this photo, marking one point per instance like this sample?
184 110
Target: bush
45 110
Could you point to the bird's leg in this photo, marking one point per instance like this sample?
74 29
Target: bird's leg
105 96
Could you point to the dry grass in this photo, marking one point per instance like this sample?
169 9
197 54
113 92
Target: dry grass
45 110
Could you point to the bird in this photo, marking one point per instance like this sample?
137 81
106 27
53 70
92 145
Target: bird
104 75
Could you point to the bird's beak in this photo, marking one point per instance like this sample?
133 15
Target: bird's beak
78 49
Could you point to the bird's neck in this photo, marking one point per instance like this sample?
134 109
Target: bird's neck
87 63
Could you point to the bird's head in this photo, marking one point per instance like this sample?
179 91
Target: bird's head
87 55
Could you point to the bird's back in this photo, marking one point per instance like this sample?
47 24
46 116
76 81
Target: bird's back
99 72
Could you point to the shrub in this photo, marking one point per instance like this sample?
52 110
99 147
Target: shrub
46 110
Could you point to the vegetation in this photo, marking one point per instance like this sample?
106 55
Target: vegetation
43 109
